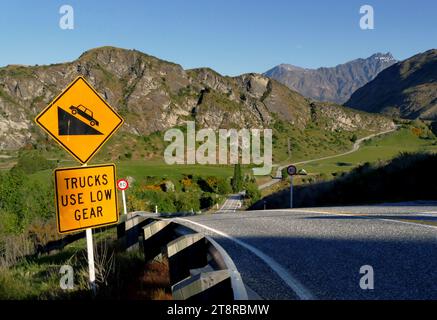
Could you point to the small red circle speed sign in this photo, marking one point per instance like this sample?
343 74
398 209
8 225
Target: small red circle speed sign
291 170
122 184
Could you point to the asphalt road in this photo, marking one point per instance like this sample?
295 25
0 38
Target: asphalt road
231 204
317 253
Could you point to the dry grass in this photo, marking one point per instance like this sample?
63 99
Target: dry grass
13 248
119 274
153 283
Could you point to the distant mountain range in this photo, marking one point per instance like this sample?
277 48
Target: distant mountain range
407 89
334 84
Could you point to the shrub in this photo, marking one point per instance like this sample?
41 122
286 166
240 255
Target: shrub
252 192
33 161
152 198
187 184
206 185
153 187
416 131
26 200
207 200
186 203
284 174
223 186
10 196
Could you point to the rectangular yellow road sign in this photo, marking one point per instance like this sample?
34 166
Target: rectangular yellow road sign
80 120
85 197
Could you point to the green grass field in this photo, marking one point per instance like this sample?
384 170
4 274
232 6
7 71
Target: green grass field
139 169
377 149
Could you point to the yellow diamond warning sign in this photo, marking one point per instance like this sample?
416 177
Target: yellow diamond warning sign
80 120
85 197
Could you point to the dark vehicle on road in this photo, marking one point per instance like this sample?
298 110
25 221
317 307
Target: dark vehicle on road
85 113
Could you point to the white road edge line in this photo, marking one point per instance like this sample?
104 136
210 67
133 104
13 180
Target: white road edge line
298 288
429 213
367 217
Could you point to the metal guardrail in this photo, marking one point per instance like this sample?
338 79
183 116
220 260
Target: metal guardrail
200 269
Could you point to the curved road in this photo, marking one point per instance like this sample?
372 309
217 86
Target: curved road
317 253
355 147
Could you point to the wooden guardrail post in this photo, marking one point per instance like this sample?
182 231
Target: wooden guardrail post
129 230
205 287
185 253
156 236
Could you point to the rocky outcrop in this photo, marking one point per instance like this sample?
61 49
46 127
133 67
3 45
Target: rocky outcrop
334 117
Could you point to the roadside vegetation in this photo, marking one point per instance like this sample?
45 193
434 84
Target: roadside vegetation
26 213
119 274
190 194
407 177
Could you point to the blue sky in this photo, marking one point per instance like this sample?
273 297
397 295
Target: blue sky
230 36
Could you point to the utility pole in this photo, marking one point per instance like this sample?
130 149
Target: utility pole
289 148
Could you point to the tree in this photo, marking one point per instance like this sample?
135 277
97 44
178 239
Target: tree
237 179
223 186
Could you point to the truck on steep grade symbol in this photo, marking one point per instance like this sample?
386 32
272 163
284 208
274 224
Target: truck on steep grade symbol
85 113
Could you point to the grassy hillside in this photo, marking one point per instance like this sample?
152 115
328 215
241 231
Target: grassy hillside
407 89
377 149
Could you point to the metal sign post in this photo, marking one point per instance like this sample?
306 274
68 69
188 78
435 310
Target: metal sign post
122 185
90 251
124 201
90 254
291 170
291 192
